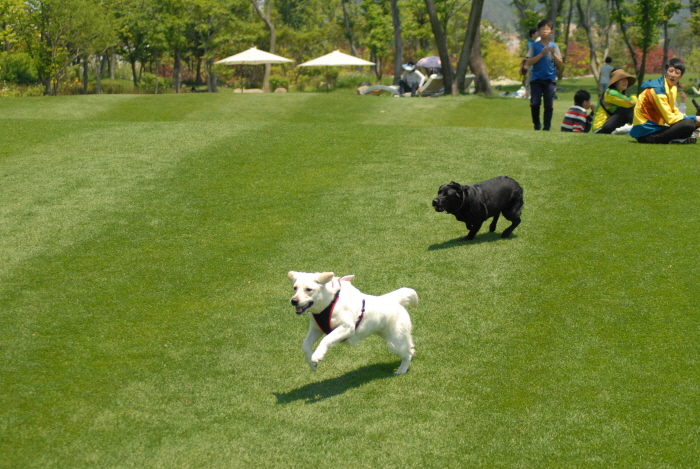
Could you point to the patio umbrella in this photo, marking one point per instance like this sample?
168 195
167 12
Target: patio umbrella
429 62
253 56
335 59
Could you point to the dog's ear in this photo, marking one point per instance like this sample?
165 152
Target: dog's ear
292 276
347 278
324 277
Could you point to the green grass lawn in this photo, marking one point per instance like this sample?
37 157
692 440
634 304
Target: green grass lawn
144 303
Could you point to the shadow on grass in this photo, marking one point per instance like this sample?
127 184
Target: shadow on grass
478 239
315 392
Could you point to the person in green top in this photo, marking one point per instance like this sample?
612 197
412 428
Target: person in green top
616 109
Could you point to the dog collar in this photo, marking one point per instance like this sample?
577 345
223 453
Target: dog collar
323 319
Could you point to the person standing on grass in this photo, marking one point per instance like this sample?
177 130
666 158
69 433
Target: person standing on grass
544 57
656 117
605 72
576 119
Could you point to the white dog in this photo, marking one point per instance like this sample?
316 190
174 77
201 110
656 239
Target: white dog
344 313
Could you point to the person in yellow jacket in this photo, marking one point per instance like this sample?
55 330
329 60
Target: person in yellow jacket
656 118
615 109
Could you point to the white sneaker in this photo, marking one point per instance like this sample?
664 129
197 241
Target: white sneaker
682 141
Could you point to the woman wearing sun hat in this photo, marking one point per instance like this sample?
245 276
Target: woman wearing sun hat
411 79
615 109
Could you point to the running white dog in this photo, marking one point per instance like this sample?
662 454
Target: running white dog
344 313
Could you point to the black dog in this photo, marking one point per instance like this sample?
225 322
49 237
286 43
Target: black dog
476 203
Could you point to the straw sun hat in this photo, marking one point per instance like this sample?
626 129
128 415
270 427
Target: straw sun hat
618 75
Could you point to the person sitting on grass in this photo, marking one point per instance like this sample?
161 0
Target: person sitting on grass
656 118
411 79
615 109
576 119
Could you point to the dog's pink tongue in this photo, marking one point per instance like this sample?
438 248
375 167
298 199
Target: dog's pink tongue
299 310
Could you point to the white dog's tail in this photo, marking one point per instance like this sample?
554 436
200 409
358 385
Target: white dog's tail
405 296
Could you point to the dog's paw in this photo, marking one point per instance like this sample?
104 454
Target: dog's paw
313 366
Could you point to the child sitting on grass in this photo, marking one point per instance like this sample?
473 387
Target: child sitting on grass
576 119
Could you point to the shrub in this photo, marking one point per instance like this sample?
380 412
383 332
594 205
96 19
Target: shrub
34 91
17 68
278 81
353 80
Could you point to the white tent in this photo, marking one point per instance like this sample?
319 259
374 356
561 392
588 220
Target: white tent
253 56
335 58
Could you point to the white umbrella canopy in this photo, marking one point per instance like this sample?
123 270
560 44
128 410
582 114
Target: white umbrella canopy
335 58
253 56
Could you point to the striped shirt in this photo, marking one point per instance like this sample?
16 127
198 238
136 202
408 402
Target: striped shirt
576 120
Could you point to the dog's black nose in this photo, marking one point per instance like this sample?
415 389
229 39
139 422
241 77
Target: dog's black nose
435 202
295 301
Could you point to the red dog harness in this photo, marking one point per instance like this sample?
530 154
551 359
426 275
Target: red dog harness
323 319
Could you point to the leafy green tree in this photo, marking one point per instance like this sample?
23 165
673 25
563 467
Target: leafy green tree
134 25
56 34
378 30
11 15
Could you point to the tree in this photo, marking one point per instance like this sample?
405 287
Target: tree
273 38
648 15
378 31
11 15
441 43
471 43
56 34
670 7
398 43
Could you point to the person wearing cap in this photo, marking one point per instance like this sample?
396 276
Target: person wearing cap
411 79
656 117
616 109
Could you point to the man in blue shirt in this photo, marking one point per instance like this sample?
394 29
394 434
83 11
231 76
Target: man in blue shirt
544 57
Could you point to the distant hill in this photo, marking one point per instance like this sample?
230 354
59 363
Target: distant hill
501 13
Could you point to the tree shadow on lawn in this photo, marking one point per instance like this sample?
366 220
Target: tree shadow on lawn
315 392
478 239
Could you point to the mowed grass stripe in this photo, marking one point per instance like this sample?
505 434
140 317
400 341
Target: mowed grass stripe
166 339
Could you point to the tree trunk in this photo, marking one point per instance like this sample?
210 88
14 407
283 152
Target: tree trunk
86 64
567 32
348 32
198 75
476 63
553 19
398 42
441 43
112 64
177 72
99 68
585 23
211 78
273 39
156 90
469 44
667 44
623 28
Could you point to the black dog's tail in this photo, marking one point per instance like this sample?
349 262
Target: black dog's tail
697 108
